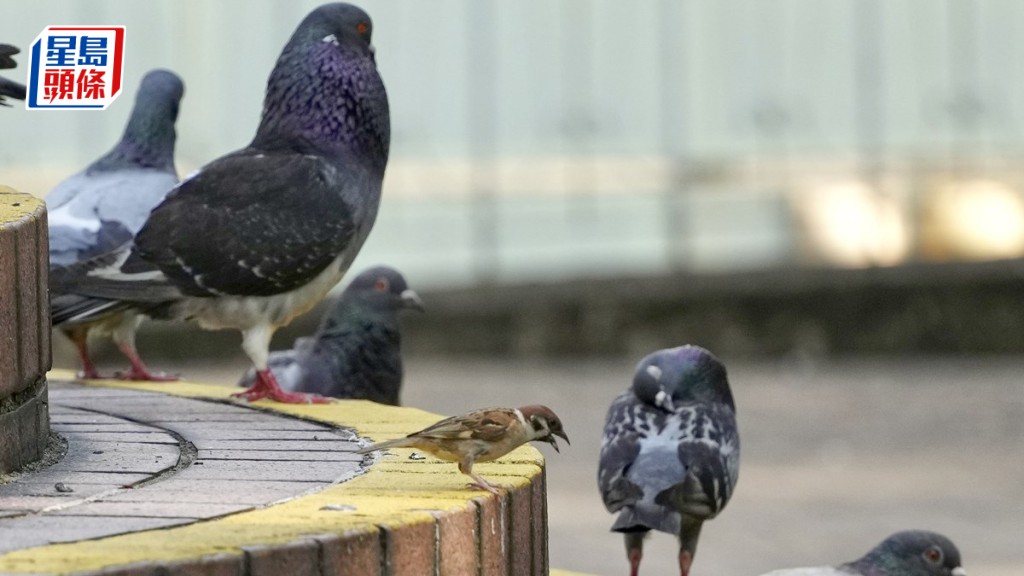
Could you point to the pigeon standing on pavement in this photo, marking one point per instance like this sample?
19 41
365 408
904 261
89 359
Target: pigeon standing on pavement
670 453
9 88
356 352
260 235
909 553
100 208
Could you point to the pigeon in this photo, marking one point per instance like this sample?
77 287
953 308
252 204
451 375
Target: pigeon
481 436
670 452
102 207
356 351
260 235
909 553
9 88
6 56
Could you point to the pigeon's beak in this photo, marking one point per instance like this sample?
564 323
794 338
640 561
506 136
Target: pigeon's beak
664 401
958 571
373 53
410 299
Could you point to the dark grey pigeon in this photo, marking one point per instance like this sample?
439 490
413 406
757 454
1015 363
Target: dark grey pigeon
260 235
670 454
6 56
909 553
356 353
100 208
9 88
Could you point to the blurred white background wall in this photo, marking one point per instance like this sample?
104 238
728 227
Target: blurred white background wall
545 140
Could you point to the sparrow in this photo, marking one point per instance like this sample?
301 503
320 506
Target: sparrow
481 436
670 453
908 553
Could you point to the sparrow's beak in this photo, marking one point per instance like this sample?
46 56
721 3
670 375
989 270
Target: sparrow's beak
561 434
554 443
410 299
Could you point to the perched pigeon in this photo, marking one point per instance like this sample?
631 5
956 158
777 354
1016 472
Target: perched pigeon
260 235
910 553
670 453
9 88
356 352
102 207
6 56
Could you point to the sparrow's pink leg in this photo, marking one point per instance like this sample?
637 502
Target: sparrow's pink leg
480 484
266 387
139 370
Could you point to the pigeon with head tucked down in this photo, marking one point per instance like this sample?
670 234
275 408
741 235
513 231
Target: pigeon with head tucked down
908 553
670 453
260 235
356 352
102 207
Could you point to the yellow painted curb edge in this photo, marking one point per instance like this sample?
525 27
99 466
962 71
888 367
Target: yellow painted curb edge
394 491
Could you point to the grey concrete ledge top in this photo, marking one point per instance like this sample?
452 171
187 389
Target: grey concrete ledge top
140 460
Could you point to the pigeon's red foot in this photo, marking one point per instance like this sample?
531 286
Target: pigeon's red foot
634 561
90 373
266 387
139 371
144 375
685 561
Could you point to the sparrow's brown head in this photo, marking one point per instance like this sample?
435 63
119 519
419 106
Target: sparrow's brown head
545 424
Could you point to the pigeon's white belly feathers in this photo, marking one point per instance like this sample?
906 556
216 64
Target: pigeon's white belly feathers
245 312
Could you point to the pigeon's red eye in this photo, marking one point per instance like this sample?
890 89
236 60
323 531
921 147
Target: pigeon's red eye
362 27
933 555
381 285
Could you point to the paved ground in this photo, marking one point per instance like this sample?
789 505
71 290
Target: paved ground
138 460
835 456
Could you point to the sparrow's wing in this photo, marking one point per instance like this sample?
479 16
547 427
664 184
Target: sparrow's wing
489 424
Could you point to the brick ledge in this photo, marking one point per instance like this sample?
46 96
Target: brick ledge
402 517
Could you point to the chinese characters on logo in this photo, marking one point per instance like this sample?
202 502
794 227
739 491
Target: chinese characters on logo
76 67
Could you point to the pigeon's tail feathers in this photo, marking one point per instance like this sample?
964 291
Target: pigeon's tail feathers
115 275
396 443
75 309
697 496
644 516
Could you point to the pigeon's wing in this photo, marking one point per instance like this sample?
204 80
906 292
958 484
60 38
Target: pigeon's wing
11 89
250 224
708 451
489 424
94 213
620 447
69 245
